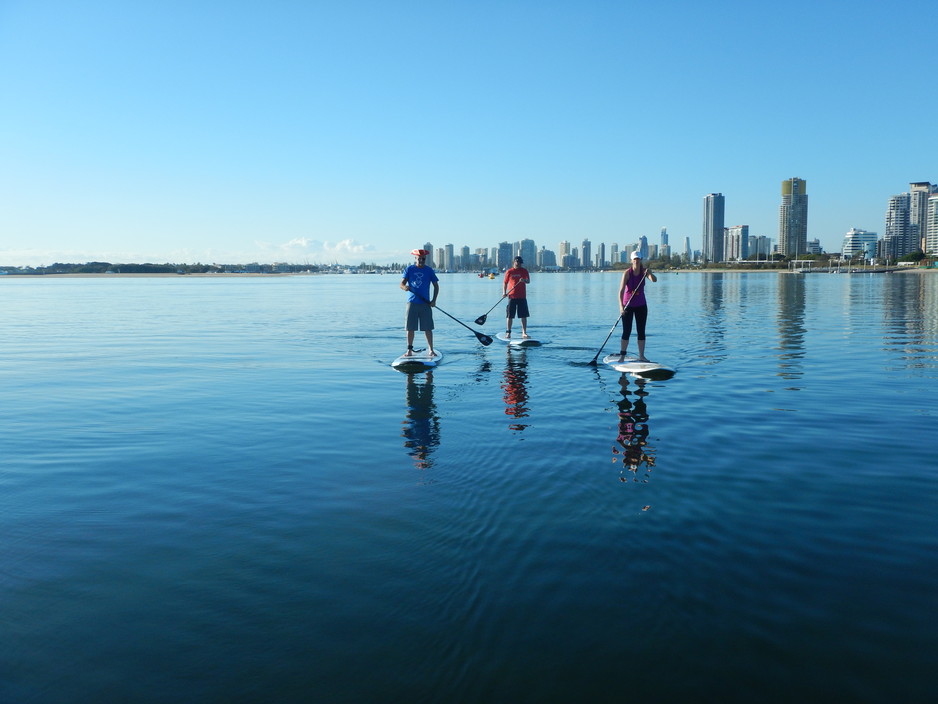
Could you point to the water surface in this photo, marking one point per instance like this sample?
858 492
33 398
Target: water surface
216 489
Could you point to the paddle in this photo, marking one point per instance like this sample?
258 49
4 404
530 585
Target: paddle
482 318
592 362
484 339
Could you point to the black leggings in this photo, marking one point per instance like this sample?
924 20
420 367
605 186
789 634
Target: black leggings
640 313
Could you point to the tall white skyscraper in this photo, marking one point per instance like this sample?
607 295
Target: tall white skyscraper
713 227
793 218
585 253
429 247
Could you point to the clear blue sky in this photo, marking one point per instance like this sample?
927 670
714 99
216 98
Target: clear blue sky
280 130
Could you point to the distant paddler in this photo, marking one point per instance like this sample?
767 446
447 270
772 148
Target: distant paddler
418 278
513 286
633 305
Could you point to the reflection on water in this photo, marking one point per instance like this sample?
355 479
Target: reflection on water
711 297
515 388
905 319
637 456
421 426
791 327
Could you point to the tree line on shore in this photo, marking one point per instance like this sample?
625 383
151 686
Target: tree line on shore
775 261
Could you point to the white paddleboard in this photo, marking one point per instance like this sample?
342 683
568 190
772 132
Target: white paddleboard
631 365
517 341
418 361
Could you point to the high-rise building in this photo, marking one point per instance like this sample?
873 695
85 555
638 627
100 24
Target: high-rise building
564 250
760 246
793 218
713 227
643 247
527 250
614 252
449 258
504 255
429 247
931 237
736 245
585 254
856 241
664 236
918 211
688 254
546 259
898 238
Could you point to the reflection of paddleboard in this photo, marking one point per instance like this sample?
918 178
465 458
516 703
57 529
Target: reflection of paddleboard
517 341
633 366
418 361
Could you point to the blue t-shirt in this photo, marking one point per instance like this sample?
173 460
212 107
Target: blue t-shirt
419 279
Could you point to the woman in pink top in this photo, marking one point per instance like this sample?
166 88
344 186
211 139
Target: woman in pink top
632 305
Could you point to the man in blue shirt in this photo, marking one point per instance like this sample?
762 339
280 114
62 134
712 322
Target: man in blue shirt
418 278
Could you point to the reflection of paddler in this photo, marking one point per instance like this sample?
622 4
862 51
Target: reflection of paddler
516 392
633 430
421 426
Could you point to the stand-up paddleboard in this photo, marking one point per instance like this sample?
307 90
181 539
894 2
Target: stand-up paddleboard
419 361
631 365
517 341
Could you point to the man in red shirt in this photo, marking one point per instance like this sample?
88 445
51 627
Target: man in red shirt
517 276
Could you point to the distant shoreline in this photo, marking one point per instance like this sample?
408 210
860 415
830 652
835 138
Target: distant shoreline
259 275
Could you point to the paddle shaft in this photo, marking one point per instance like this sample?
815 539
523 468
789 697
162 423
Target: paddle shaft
634 291
483 338
482 318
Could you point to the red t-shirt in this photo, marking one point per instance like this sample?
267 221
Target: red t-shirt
515 277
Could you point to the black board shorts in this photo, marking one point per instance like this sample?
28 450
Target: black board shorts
517 307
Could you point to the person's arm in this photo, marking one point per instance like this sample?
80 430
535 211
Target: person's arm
404 286
652 276
436 292
622 292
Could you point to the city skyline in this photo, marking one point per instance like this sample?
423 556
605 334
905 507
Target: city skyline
344 133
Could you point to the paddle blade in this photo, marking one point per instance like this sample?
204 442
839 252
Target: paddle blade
484 339
481 319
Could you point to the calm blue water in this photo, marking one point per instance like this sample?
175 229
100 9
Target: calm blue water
217 490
